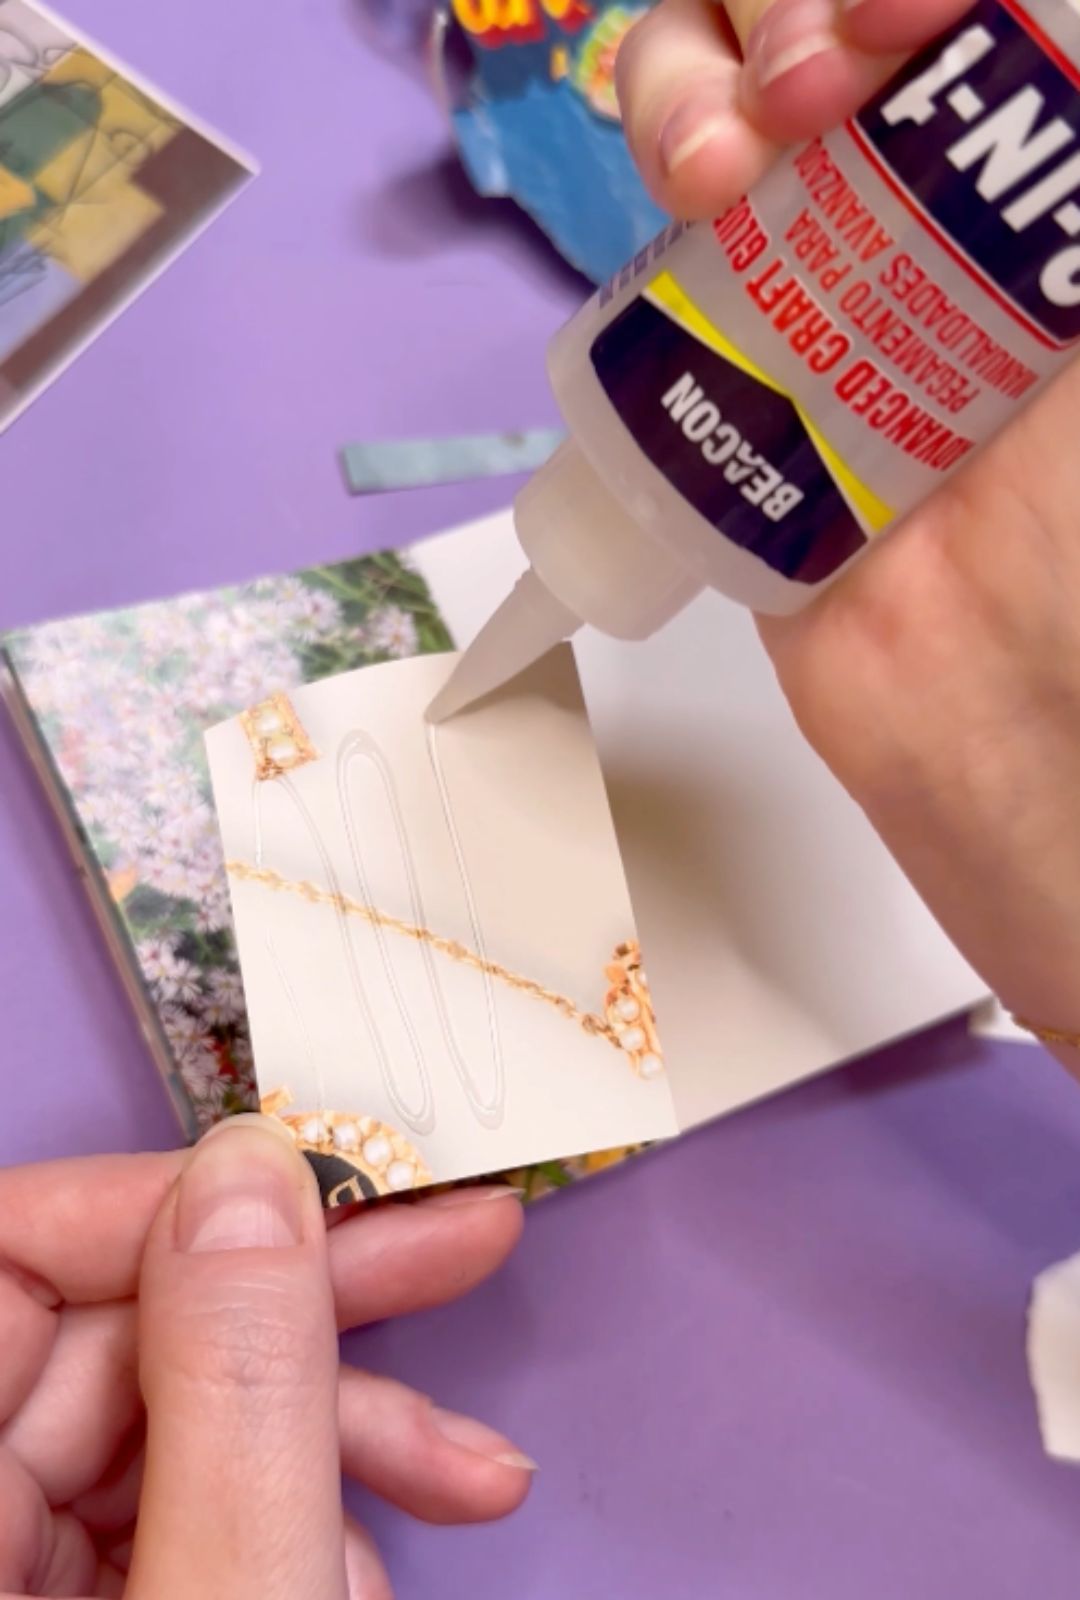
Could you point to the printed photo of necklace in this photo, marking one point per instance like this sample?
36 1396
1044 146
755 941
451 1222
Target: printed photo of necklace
356 1154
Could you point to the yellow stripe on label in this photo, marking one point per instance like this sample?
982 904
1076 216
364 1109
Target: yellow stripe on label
667 293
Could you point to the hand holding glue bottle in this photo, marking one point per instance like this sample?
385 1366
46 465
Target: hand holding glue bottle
858 330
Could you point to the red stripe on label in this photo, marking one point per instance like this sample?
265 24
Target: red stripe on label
949 245
1043 40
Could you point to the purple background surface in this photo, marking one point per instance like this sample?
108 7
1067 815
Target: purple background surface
782 1361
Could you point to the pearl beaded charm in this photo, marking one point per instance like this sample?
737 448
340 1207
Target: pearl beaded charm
377 1151
277 738
629 1014
372 1148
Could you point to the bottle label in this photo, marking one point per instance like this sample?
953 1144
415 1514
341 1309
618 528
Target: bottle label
1005 111
821 357
735 446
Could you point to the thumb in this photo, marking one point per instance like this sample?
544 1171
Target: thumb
239 1370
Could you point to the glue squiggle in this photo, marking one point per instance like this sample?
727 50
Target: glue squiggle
361 746
489 1112
421 1117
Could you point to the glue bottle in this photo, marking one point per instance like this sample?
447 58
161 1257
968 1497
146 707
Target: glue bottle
752 401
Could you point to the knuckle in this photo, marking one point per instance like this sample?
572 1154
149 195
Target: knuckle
240 1343
246 1352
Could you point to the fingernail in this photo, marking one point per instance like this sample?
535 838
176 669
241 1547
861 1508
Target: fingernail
788 36
703 115
249 1119
477 1195
480 1439
241 1189
796 55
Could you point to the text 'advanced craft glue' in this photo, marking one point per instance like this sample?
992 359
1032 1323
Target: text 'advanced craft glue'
753 400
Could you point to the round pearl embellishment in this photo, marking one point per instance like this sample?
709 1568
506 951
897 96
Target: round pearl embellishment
277 738
361 1142
281 750
628 1012
377 1151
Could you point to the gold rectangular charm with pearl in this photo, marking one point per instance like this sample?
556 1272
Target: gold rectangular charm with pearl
277 738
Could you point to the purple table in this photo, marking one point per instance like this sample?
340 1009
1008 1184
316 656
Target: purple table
783 1361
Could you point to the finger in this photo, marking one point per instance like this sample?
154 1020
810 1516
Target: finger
27 1332
108 1507
704 128
677 75
41 1552
809 64
398 1259
385 1263
79 1226
70 1427
111 1582
118 1553
239 1369
364 1570
72 1564
75 1231
882 27
436 1465
25 1528
802 75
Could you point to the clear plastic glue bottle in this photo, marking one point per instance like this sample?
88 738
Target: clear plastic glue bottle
752 401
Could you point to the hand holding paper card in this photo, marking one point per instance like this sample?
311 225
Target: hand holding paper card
434 927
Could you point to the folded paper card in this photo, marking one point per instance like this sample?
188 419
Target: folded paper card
438 948
781 938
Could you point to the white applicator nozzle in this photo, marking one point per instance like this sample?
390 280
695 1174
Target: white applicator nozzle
590 562
528 624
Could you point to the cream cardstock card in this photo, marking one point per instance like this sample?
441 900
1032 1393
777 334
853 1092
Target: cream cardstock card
781 937
436 936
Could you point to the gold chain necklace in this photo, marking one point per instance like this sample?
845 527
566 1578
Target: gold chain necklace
628 1022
